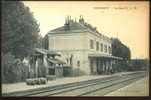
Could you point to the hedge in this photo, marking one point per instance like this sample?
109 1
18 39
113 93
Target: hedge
36 81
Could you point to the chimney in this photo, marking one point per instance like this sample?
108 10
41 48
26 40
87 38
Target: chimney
67 23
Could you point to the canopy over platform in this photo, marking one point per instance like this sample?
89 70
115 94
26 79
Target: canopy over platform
104 56
44 51
56 61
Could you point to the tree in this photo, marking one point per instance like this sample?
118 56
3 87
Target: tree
19 29
119 49
20 33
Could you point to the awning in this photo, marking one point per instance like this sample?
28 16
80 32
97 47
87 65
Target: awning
104 56
44 51
56 61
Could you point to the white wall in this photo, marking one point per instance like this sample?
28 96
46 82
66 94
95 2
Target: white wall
100 40
78 45
72 41
71 44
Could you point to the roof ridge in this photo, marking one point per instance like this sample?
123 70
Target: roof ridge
72 26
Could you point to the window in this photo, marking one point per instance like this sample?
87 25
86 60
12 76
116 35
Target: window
101 47
91 44
97 46
110 51
105 47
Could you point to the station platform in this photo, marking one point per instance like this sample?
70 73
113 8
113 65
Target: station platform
138 88
7 88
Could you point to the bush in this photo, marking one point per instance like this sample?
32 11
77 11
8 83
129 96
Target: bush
29 82
36 81
13 70
43 80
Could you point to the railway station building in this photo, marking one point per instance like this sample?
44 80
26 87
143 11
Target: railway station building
82 47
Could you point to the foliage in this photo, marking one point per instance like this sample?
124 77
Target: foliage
20 33
13 70
36 81
119 49
19 29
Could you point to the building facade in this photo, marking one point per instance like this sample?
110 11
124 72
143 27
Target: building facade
82 47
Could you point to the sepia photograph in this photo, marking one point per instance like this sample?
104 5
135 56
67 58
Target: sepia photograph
74 48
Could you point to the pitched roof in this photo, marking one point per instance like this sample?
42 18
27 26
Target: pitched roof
56 61
76 27
44 51
73 27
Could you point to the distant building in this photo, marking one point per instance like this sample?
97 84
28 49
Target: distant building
82 47
139 64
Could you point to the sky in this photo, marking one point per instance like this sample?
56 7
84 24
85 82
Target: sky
128 21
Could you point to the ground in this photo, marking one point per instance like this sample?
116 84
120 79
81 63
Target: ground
138 88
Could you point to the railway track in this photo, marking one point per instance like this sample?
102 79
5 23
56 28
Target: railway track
84 88
99 86
109 88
